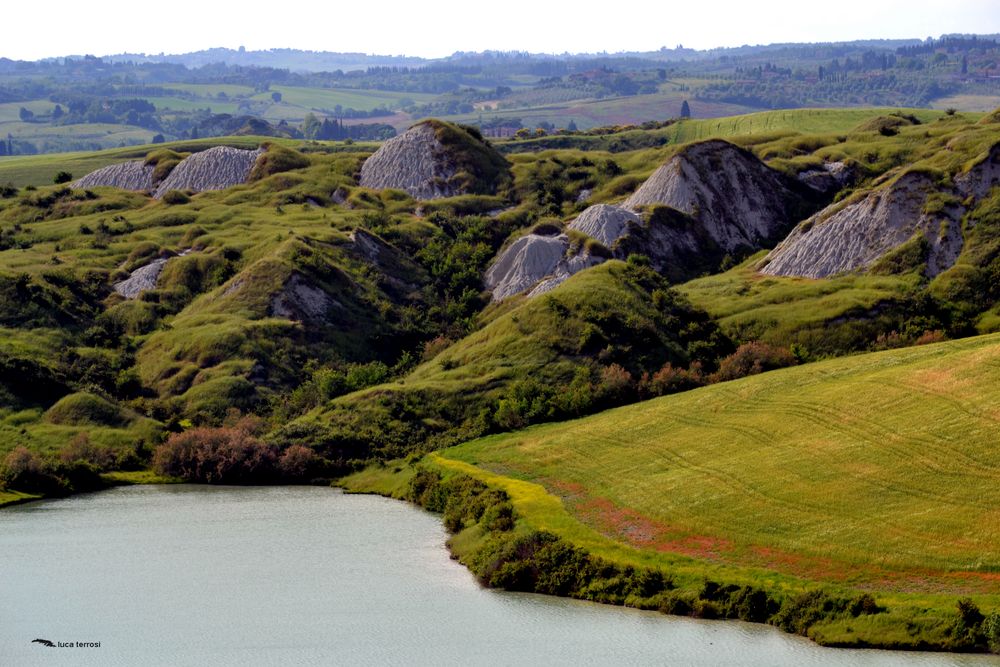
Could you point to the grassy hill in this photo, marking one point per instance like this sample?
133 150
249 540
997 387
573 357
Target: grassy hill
875 472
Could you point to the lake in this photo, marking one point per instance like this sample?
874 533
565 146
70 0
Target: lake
195 575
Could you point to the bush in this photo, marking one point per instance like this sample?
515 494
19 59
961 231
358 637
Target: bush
174 197
298 462
81 448
753 358
225 455
62 177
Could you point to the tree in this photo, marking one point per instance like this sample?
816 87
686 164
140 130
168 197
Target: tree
965 64
26 115
685 109
571 126
311 126
158 139
57 112
276 96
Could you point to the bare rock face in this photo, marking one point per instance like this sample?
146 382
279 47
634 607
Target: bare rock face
528 260
710 199
132 175
565 268
142 279
412 161
737 200
214 169
605 223
852 237
831 177
981 178
302 301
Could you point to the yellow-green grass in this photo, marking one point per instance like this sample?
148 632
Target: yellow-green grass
391 479
51 138
128 477
806 121
185 104
11 111
748 304
15 497
877 471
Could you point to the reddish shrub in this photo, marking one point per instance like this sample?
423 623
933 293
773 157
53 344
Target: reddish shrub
297 462
752 358
616 385
81 448
227 455
670 380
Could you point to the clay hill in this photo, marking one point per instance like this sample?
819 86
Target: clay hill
216 168
710 200
913 219
435 159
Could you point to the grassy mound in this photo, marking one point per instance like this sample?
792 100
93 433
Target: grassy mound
84 408
277 159
481 169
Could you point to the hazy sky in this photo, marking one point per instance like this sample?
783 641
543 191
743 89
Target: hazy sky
439 27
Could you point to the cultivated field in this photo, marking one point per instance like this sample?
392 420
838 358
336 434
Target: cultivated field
877 471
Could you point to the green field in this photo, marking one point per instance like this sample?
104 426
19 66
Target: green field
328 98
877 470
616 111
806 121
211 89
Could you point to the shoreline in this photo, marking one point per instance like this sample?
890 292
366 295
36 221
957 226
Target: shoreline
468 542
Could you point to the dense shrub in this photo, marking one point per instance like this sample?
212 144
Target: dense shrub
753 358
174 197
225 455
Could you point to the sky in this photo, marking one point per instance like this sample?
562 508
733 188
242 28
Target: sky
435 28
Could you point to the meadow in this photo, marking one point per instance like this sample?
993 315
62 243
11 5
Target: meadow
872 472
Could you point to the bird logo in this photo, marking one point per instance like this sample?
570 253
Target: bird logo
43 642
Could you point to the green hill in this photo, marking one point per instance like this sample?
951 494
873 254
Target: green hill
874 472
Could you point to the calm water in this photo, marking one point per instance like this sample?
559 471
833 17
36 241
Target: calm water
188 575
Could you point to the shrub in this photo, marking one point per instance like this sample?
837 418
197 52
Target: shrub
62 177
225 455
753 358
671 379
81 448
174 197
297 463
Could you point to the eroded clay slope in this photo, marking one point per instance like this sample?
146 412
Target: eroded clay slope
213 169
132 175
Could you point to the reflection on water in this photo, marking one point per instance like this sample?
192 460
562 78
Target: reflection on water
192 575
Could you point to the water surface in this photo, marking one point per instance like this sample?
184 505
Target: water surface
194 575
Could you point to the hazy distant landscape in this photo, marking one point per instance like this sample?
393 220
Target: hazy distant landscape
89 103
